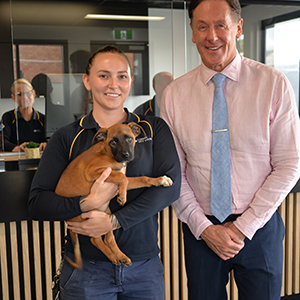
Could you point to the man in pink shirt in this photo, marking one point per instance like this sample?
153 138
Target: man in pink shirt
264 135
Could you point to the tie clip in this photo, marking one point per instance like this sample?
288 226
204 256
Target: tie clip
220 130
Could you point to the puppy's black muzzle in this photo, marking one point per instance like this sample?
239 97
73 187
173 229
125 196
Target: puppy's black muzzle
123 151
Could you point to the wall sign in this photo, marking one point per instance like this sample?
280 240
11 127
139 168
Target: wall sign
124 35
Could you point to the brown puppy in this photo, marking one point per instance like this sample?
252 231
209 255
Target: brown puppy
114 149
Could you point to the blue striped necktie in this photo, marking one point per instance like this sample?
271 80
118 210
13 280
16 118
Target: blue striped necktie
220 198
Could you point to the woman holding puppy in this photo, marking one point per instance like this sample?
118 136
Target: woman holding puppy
135 226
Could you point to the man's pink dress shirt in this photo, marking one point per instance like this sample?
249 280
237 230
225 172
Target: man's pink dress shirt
264 141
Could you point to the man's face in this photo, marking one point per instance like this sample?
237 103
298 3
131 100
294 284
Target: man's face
215 31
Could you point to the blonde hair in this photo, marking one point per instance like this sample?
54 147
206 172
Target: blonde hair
20 81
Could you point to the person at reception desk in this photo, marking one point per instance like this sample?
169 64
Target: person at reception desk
23 124
152 106
236 126
135 225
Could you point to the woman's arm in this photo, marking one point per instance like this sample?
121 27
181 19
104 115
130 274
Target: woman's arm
165 162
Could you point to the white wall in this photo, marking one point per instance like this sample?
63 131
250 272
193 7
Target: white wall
170 43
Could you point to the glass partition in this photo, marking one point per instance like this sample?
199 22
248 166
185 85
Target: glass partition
51 43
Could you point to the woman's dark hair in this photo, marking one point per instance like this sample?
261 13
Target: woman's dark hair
106 49
234 5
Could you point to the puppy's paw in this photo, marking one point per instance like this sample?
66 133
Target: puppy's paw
166 181
121 200
126 262
123 259
116 262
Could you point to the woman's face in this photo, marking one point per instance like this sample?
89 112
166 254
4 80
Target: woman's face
109 81
24 95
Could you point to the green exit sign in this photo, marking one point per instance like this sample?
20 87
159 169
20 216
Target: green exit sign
123 34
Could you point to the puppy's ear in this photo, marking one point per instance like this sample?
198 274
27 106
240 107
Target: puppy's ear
100 136
136 129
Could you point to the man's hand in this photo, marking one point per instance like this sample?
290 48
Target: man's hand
232 227
225 240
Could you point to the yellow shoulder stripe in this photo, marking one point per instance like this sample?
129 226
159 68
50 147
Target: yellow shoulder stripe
15 113
38 116
72 145
150 127
150 108
70 153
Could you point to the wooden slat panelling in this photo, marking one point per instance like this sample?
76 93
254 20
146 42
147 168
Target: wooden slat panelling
3 262
48 262
296 248
15 261
165 250
30 253
25 252
282 211
289 244
233 288
37 260
183 277
175 277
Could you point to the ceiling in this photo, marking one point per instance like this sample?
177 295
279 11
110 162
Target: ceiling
72 12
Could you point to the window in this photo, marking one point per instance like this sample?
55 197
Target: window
45 65
277 49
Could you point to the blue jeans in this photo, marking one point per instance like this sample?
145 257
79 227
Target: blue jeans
101 280
257 268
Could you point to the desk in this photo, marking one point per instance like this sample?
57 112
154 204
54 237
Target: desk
10 161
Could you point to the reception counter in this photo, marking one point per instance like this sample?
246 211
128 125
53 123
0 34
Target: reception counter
30 251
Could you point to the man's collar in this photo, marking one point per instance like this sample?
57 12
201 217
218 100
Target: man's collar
232 71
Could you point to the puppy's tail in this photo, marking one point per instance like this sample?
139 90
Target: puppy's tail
77 254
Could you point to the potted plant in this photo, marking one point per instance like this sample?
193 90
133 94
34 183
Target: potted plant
32 150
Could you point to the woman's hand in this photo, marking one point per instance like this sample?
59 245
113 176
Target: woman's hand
20 148
96 224
101 193
96 221
42 146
